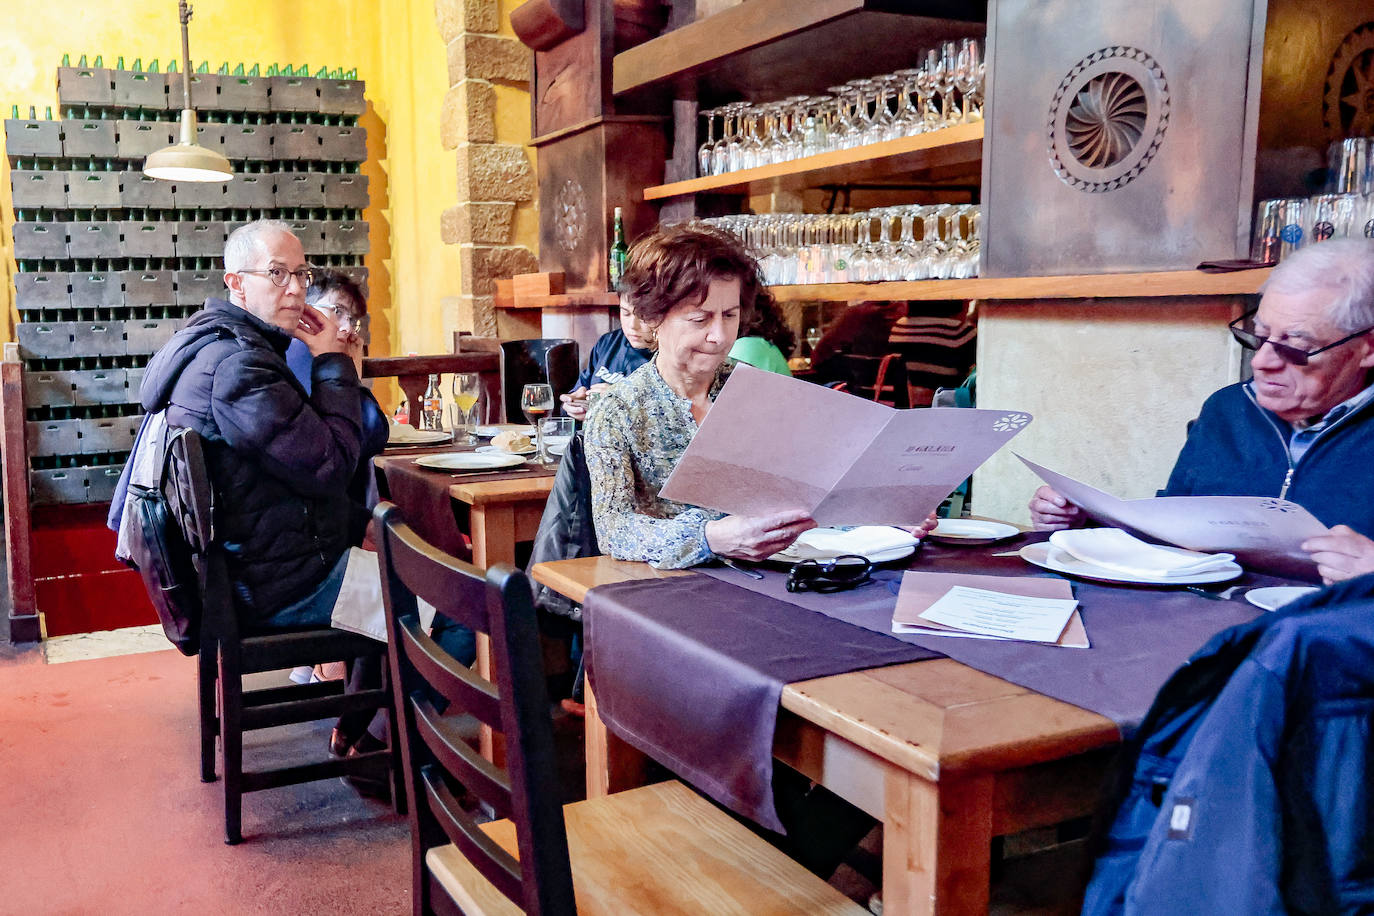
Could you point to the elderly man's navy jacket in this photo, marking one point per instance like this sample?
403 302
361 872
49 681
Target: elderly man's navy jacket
1237 448
280 459
1252 789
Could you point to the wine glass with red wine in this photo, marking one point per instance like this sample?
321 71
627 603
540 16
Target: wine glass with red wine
537 403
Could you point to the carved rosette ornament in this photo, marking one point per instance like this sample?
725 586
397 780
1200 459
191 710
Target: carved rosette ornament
570 214
1348 99
1107 119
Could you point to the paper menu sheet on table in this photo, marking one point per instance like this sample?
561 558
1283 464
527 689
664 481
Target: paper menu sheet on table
772 443
1261 531
920 591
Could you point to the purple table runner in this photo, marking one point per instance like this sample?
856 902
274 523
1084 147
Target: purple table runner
694 666
695 670
1139 634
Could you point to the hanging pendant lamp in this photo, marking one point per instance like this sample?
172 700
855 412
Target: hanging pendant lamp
187 160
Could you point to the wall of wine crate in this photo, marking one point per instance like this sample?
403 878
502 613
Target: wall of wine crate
111 263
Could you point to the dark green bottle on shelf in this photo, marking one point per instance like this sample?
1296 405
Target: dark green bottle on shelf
619 253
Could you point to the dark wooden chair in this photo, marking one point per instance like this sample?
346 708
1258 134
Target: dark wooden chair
551 360
657 849
878 378
229 653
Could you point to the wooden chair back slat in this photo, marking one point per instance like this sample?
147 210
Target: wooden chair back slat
481 776
495 864
505 611
455 681
454 587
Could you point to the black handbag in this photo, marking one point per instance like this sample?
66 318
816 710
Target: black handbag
163 559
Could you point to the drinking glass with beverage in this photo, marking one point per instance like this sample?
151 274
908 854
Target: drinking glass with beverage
558 432
537 403
467 387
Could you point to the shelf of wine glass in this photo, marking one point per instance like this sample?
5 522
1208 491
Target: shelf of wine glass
939 154
1091 286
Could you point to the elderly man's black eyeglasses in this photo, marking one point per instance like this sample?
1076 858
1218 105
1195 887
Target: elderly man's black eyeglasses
1242 331
280 276
847 571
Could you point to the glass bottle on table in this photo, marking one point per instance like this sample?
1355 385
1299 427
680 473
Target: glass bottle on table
466 390
432 406
537 403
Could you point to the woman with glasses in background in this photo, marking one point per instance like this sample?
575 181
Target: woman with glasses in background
334 293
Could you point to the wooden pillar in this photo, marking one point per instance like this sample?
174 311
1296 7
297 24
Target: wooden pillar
23 612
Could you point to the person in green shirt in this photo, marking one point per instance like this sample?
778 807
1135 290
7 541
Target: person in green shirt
766 341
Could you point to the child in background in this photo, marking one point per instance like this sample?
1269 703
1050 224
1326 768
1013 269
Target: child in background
614 355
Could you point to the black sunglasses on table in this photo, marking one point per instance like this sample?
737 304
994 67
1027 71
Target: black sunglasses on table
843 572
1242 329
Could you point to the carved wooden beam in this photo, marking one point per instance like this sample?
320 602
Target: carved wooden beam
543 24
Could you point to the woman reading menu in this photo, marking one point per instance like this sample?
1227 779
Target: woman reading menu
693 286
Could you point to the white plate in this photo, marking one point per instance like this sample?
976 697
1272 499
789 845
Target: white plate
557 449
972 531
497 450
1276 596
792 554
1052 558
486 432
409 435
469 461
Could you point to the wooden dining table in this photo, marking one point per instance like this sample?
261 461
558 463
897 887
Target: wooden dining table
947 757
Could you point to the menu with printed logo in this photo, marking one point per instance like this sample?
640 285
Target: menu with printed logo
772 443
1262 531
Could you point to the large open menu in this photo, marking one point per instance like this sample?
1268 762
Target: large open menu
1262 531
772 443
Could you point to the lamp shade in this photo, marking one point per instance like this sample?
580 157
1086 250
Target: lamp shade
187 160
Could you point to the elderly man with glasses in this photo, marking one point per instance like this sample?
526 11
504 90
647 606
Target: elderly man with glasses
1303 427
280 457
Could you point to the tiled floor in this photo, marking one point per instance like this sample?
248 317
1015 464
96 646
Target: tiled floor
104 644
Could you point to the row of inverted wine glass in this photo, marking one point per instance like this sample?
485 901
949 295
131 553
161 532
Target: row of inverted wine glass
946 89
907 242
1285 224
1350 166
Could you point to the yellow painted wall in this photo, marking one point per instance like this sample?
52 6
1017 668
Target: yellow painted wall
513 126
397 50
420 177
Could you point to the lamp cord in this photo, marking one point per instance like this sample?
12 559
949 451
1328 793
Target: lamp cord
184 9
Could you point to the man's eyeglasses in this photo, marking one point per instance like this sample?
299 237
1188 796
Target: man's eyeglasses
843 572
346 321
1242 331
280 276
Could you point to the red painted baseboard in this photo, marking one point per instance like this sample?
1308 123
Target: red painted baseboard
93 601
79 584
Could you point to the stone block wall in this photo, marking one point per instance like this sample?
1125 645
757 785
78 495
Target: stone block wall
496 178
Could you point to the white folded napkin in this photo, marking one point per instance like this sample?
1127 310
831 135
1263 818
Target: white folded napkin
402 433
1114 549
864 540
358 608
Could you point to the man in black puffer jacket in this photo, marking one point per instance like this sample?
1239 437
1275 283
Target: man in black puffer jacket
280 459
